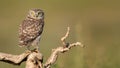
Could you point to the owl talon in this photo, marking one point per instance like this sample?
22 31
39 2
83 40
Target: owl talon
35 50
28 51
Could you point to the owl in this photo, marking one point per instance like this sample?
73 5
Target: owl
31 28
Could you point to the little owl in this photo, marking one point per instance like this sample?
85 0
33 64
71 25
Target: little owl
31 28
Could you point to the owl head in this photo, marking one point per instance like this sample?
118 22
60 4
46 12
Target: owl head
36 14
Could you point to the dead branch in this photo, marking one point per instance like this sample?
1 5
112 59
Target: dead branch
55 52
34 59
13 59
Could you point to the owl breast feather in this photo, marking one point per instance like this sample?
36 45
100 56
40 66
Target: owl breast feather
29 30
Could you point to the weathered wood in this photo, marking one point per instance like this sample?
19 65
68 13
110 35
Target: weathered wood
34 59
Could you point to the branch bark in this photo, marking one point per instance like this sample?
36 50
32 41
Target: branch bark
34 59
66 47
14 59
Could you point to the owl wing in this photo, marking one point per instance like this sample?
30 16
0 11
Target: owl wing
29 30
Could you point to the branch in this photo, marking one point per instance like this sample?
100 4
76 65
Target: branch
55 52
34 58
13 59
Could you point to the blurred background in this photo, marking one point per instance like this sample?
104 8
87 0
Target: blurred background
96 23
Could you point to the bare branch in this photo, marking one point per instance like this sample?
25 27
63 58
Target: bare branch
55 52
34 59
66 35
13 59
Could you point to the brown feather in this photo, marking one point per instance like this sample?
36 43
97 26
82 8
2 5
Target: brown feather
29 30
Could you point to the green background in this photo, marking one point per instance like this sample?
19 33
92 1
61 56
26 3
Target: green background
96 23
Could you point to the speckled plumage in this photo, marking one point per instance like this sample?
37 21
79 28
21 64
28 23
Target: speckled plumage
30 31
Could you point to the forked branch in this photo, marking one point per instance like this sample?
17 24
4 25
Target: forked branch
34 59
55 52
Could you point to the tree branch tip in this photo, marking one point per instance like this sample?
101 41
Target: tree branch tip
68 28
80 44
66 35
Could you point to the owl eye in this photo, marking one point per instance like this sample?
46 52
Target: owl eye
32 13
39 13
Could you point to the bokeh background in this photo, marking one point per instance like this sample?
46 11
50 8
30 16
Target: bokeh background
96 23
